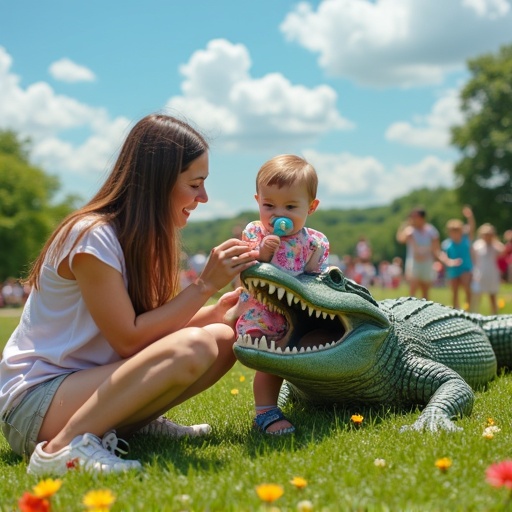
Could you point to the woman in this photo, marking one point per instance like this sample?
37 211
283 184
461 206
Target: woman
106 341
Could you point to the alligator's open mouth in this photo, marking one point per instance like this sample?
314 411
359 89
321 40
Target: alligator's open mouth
311 328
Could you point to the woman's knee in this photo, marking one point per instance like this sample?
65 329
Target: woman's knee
194 352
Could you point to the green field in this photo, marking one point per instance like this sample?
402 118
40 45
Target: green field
336 458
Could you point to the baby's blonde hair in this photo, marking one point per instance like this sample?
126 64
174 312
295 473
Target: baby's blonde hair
285 170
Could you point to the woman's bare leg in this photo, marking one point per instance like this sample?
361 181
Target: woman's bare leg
132 391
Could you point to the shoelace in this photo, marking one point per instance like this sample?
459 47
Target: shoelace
110 442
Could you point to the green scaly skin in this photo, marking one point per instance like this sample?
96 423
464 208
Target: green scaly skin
344 347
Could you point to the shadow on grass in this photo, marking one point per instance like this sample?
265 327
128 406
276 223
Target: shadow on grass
9 458
213 453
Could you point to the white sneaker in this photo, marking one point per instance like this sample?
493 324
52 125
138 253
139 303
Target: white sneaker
164 427
86 452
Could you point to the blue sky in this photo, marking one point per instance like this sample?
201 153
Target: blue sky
365 90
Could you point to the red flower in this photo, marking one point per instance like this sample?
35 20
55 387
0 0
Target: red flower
30 503
73 463
500 474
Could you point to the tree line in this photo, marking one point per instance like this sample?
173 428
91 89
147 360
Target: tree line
29 209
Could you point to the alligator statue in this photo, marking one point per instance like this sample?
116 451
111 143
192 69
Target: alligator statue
344 347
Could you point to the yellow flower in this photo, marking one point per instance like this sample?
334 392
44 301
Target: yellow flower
501 303
443 464
269 492
490 422
234 392
357 419
305 506
242 378
47 488
299 482
99 501
380 463
489 432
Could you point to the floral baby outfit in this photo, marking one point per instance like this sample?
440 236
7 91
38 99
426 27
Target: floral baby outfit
292 255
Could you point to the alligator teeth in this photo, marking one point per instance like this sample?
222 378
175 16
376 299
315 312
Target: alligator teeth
270 346
271 289
280 293
289 298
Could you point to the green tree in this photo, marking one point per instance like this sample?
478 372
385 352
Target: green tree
27 210
485 139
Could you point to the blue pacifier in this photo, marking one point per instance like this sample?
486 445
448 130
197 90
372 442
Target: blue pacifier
282 226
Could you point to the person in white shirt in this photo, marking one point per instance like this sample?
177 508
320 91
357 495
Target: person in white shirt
486 275
423 246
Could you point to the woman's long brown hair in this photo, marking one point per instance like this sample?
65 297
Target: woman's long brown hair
135 201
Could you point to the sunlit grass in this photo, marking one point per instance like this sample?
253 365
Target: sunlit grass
367 467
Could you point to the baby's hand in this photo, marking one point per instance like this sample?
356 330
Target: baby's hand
268 247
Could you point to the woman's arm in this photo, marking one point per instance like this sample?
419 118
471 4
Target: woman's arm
110 306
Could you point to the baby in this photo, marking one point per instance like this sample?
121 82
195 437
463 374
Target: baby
286 188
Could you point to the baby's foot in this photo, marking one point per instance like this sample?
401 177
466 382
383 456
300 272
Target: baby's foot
272 421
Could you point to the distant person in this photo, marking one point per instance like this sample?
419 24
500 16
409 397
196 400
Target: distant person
505 259
286 186
107 342
396 270
456 256
422 249
486 276
197 262
363 250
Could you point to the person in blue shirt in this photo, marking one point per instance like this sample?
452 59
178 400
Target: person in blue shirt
456 255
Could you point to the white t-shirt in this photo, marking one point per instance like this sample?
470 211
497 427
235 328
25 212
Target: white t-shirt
419 246
56 333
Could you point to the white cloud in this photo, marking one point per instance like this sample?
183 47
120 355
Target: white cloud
46 117
398 42
347 180
249 112
68 71
433 130
492 9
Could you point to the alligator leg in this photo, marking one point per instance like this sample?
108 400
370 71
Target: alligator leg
450 397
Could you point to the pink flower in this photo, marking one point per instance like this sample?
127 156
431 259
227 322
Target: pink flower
500 474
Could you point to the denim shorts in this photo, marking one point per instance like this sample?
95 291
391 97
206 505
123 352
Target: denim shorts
21 425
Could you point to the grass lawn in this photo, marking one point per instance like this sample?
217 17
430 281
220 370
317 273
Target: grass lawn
336 458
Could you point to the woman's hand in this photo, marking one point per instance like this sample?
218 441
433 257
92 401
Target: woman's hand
225 262
230 307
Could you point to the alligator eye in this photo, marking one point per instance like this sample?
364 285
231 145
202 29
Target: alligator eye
336 275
